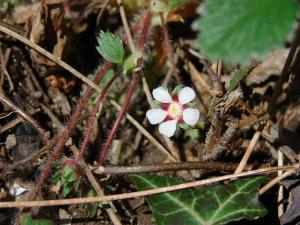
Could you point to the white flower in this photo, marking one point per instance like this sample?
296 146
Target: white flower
173 110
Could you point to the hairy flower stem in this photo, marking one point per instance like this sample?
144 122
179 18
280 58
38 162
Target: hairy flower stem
132 86
67 131
93 116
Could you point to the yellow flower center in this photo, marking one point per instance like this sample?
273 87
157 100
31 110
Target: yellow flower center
175 110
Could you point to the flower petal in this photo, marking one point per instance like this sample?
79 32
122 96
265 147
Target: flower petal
186 95
168 128
162 95
191 116
156 116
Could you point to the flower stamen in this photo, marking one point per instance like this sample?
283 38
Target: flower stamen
175 110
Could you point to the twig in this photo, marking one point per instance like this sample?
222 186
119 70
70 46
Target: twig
280 209
112 215
167 78
199 77
147 92
115 197
285 70
15 122
7 115
276 180
248 152
99 16
145 132
4 70
168 48
25 116
165 167
49 56
132 85
33 156
126 28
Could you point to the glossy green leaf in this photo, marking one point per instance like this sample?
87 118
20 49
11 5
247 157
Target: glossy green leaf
110 47
215 204
238 30
27 220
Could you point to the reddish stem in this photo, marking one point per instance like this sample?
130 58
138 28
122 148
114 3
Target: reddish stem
67 132
132 85
93 116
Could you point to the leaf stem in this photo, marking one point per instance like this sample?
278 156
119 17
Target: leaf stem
132 85
67 131
93 116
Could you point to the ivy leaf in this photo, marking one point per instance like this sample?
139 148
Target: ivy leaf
27 220
110 47
238 30
215 204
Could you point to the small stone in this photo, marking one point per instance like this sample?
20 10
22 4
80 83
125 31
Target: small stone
16 190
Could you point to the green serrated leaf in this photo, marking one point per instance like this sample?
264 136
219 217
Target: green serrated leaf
67 188
236 79
27 220
69 174
92 208
77 185
110 47
56 177
215 204
237 30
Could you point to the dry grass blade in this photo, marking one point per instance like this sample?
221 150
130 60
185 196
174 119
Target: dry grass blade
29 204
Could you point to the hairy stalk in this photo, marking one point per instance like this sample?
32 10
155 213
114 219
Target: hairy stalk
132 85
93 116
67 132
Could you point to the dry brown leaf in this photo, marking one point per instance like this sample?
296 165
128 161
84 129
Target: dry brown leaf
44 25
271 65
